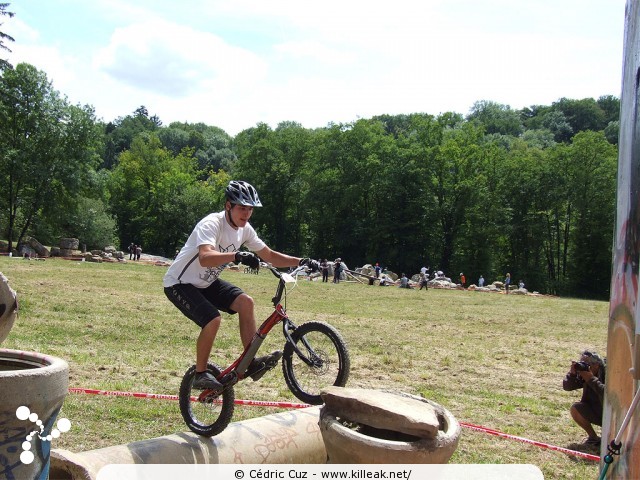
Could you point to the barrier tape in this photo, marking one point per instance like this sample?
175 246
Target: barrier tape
576 453
260 403
156 396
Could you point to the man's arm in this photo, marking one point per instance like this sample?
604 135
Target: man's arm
594 383
210 257
572 381
278 259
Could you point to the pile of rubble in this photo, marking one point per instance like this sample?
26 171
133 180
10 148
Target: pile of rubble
443 282
69 248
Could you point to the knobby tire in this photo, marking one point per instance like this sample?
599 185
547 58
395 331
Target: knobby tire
306 382
206 419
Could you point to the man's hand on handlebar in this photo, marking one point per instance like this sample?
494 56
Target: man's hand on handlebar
310 263
250 259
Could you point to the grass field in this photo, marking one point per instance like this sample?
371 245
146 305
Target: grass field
491 359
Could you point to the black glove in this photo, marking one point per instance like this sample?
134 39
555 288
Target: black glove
312 264
250 259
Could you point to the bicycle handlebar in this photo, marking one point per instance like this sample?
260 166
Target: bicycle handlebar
278 274
291 277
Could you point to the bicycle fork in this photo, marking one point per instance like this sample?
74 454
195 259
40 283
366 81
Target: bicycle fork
310 358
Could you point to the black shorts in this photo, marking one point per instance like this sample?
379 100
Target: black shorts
203 304
589 413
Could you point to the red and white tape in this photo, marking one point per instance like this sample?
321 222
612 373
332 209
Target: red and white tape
576 453
156 396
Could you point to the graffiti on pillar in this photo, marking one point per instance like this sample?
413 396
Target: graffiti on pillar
23 413
279 439
623 343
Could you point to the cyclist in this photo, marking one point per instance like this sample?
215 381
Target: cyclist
193 284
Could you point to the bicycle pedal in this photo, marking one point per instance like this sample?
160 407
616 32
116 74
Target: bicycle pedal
260 373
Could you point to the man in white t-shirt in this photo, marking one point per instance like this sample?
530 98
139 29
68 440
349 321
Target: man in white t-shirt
193 285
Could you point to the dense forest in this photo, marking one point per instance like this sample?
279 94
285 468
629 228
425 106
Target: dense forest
530 192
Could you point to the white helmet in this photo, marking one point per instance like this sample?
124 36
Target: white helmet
242 193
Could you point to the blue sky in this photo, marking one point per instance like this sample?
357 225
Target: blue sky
233 64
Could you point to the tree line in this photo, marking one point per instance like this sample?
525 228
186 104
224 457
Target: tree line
530 191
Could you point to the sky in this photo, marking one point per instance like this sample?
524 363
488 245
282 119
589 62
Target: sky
234 64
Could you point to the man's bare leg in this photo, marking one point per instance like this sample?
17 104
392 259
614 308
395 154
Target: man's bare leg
583 422
204 343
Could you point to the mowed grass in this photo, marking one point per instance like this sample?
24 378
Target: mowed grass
491 359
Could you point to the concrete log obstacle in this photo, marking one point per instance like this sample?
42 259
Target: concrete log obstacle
281 438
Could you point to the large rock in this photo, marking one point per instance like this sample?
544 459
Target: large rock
382 410
69 244
37 247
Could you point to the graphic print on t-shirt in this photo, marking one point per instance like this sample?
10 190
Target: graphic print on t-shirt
211 274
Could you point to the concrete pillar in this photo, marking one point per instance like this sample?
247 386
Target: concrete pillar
8 307
32 389
371 426
623 342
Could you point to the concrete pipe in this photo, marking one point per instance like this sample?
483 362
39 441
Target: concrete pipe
286 437
32 389
370 426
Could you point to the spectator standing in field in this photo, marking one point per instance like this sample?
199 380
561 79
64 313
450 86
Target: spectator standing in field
424 279
481 281
377 269
337 270
324 266
138 251
463 279
507 282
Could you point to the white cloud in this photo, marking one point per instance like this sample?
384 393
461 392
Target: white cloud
175 60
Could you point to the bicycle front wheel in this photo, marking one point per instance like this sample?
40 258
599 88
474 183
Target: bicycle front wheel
323 361
209 415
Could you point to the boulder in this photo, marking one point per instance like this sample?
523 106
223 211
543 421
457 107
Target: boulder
37 247
69 244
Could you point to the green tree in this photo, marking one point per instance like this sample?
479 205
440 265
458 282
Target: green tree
3 36
92 224
592 163
584 114
156 196
272 161
212 146
453 173
496 118
120 133
610 105
48 148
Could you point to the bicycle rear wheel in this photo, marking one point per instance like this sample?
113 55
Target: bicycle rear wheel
207 416
322 346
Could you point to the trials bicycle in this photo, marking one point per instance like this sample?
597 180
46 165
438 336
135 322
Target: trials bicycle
314 356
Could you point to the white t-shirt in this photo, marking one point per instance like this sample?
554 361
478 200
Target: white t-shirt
212 230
